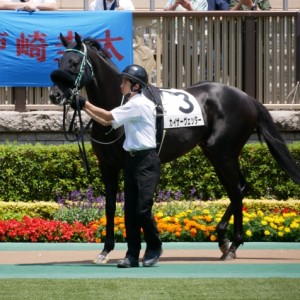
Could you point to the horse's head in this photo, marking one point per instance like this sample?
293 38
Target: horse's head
75 71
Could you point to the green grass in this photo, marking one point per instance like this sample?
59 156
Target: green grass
114 289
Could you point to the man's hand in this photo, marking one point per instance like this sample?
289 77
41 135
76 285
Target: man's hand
185 3
248 3
78 102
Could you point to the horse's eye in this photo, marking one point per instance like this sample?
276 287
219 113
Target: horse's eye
74 62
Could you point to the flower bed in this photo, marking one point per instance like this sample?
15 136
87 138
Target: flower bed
177 222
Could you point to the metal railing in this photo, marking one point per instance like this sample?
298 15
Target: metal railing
258 52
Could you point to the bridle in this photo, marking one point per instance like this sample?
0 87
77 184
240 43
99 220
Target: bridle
75 91
71 93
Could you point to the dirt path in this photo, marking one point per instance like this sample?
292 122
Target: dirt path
170 256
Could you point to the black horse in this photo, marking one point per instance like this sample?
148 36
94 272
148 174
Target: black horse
230 117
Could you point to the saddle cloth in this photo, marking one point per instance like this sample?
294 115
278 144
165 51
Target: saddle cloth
181 109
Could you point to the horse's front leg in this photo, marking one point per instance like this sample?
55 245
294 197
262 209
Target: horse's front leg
111 180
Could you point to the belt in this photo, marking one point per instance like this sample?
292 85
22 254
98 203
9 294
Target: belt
134 153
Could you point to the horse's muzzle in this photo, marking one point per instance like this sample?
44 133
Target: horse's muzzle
56 96
59 97
63 82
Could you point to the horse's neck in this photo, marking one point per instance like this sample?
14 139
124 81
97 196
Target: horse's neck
104 91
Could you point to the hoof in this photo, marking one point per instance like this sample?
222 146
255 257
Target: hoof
225 247
101 259
228 256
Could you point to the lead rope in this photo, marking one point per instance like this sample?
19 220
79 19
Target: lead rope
79 133
80 139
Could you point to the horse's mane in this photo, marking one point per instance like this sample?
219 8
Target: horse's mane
93 43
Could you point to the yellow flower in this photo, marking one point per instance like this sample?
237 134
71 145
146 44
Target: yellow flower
267 232
260 213
269 219
287 229
294 225
248 232
288 215
245 220
160 214
280 233
264 222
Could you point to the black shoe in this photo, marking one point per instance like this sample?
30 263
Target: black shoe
128 262
151 257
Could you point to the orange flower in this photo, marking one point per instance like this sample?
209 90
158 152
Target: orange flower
177 234
193 232
208 218
213 238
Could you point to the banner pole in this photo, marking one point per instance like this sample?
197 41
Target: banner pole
152 5
86 4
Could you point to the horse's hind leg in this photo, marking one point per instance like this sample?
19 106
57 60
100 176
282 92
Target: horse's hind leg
227 168
235 209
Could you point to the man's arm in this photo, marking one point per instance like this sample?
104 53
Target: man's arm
28 6
102 116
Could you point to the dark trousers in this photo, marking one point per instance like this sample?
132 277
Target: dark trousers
142 174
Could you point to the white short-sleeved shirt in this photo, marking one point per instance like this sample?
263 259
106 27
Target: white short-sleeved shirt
138 116
196 5
123 4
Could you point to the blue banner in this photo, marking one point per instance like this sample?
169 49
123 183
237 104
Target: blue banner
30 46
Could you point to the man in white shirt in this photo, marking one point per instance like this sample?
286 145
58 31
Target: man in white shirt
142 170
28 5
111 5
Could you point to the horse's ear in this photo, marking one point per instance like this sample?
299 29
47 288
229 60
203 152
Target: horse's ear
64 41
78 39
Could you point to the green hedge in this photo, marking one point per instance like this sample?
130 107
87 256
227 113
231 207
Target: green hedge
40 172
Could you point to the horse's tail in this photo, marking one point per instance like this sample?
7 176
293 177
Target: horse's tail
276 144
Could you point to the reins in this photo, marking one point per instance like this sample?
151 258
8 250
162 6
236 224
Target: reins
79 132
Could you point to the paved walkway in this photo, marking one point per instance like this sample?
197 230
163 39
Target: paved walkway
254 260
